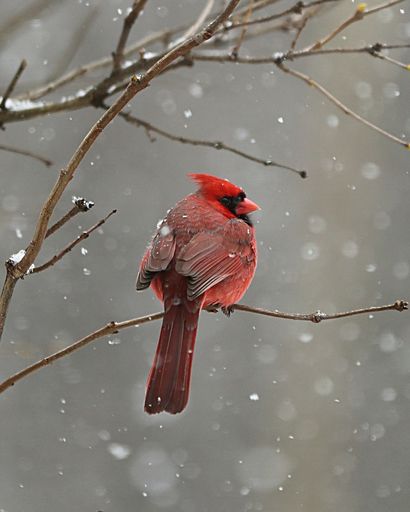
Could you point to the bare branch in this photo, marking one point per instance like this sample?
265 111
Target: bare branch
340 105
110 328
80 205
318 316
12 84
57 257
205 143
360 13
302 24
238 44
372 50
297 8
115 327
129 21
24 152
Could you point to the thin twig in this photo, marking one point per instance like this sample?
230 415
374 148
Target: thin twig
395 62
318 316
372 50
24 152
12 84
297 8
129 21
57 257
80 205
302 24
360 13
136 85
199 21
110 328
115 327
341 105
206 143
235 50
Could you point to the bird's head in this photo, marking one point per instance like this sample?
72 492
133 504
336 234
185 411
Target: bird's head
225 196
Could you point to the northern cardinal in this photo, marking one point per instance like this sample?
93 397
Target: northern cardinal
203 255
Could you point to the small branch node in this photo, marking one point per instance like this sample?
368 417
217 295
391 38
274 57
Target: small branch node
298 7
318 316
375 48
279 58
401 305
82 204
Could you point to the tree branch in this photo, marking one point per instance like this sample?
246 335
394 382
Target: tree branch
129 21
80 205
360 13
115 327
297 8
57 257
205 143
339 104
24 152
12 84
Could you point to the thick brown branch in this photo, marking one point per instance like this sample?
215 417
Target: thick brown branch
205 143
57 257
129 21
24 152
115 327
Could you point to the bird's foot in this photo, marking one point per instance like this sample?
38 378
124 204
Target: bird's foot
213 308
228 310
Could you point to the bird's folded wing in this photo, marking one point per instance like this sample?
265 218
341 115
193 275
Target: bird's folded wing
211 257
157 257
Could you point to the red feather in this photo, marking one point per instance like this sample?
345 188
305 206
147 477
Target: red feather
204 253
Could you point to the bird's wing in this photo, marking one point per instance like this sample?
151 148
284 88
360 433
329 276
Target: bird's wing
157 257
212 256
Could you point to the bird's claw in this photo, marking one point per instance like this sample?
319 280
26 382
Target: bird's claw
227 310
213 308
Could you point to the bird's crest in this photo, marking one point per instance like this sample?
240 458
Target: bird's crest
214 187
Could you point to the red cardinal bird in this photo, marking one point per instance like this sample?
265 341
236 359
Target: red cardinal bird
203 255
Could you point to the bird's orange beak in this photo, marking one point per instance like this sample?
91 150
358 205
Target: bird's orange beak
246 206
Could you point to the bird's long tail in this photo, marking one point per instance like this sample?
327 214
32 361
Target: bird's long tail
170 375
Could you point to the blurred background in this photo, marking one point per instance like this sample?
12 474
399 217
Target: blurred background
282 415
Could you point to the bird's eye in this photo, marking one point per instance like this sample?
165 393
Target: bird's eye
241 196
